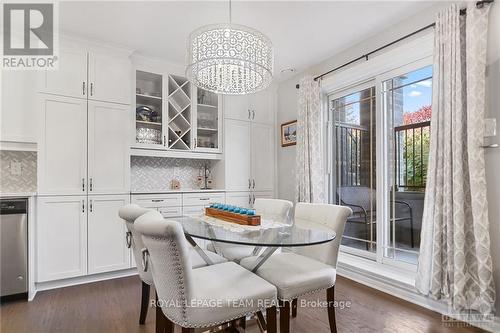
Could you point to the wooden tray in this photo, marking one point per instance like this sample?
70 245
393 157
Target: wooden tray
232 217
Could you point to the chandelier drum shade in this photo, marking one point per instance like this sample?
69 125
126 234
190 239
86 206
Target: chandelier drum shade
229 59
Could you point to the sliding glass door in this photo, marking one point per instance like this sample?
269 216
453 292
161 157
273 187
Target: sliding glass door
353 116
379 155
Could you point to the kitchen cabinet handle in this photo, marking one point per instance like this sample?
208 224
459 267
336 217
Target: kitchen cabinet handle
157 200
83 184
249 183
91 89
249 114
253 183
83 88
165 140
195 142
92 206
204 199
249 199
253 114
90 185
83 206
253 203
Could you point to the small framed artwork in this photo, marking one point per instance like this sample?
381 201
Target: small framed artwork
289 133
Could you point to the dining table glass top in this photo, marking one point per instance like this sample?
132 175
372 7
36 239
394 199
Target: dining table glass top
269 234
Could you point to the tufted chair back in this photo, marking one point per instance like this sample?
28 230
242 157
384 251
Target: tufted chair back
322 217
169 262
130 213
274 209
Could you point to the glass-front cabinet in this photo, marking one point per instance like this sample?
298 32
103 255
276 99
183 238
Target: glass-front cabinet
208 121
149 110
172 114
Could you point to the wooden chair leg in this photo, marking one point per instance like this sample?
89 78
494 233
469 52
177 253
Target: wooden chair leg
272 326
330 297
144 303
284 317
163 324
294 308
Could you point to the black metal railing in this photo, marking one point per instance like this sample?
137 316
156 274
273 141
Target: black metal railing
411 147
411 153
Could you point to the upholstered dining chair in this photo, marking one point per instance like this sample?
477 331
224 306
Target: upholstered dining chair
129 214
203 297
310 268
270 209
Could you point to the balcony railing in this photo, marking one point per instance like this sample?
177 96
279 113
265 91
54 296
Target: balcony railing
411 146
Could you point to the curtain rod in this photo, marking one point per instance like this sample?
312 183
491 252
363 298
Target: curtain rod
479 4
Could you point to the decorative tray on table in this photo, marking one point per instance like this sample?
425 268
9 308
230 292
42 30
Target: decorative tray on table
233 214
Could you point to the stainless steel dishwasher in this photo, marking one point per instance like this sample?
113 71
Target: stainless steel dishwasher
14 249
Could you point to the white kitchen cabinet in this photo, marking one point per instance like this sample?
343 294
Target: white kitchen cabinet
240 199
109 78
62 158
257 107
108 147
262 157
237 154
261 104
70 79
19 106
107 248
193 210
238 107
61 237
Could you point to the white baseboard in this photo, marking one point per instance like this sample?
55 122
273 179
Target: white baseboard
83 280
405 292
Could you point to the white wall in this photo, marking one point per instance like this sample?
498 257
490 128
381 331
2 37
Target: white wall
287 110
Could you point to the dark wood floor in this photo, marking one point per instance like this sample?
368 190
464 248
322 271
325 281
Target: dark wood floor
113 306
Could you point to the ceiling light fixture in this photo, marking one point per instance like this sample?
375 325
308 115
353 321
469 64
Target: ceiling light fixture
229 58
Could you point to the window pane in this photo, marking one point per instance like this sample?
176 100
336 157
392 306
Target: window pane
407 102
354 117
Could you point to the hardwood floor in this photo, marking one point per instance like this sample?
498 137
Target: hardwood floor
113 306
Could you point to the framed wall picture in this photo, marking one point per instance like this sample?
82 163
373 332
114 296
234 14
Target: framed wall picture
289 133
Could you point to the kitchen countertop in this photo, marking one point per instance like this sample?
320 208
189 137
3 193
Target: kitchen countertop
180 191
17 195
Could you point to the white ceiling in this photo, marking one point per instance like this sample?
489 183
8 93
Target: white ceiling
303 32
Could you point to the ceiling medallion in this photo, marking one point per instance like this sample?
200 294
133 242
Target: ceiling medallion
229 59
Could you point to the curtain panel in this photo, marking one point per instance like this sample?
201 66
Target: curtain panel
310 182
455 260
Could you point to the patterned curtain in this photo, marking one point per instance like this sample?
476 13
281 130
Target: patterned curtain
310 184
455 260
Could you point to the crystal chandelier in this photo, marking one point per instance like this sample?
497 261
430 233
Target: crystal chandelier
229 58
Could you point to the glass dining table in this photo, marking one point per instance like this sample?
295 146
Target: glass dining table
264 239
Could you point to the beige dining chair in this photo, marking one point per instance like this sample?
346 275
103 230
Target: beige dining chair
129 214
306 269
203 297
269 209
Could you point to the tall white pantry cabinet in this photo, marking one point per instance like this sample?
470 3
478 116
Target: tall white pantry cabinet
83 164
250 144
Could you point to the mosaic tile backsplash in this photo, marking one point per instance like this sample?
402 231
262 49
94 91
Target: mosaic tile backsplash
20 180
153 174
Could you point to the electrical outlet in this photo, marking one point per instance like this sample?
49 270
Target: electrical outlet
15 168
490 127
